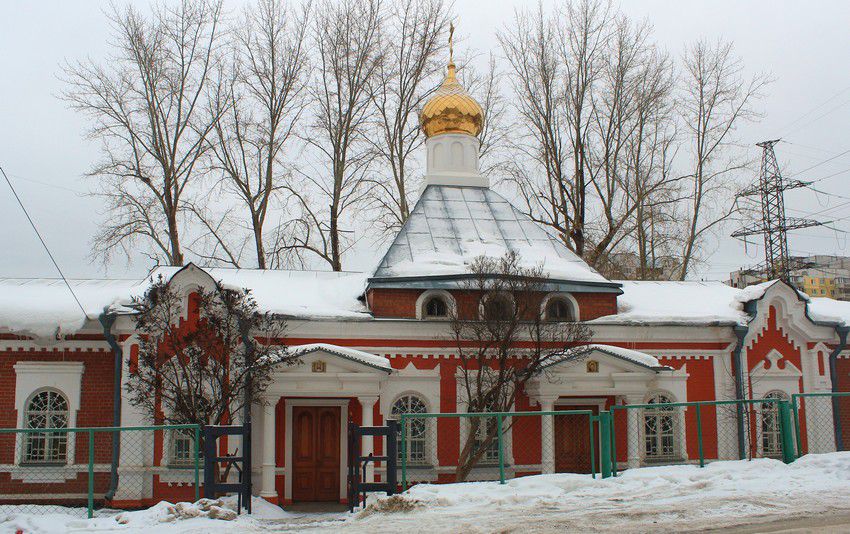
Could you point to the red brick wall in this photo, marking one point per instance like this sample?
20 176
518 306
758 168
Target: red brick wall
95 410
401 303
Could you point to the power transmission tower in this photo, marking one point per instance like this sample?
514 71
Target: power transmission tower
774 225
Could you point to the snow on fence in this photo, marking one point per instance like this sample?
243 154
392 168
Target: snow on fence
50 469
495 446
699 432
437 448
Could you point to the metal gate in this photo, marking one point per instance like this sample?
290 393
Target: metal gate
215 485
357 463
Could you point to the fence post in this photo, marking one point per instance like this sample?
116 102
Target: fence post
605 444
593 446
91 474
403 452
799 448
788 454
501 449
699 438
197 462
613 443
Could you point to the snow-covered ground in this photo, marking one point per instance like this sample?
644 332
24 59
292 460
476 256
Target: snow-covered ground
667 499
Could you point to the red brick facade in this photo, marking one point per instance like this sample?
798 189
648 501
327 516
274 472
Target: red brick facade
401 303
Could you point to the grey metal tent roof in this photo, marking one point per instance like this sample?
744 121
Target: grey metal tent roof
451 225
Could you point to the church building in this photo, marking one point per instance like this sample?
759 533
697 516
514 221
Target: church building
377 344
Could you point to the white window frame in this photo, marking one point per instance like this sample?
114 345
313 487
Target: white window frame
422 301
675 432
774 434
34 376
482 303
427 442
174 436
49 437
507 438
568 298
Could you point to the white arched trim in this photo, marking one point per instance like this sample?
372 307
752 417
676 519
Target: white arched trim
495 294
659 393
410 393
422 443
451 306
665 446
768 433
568 298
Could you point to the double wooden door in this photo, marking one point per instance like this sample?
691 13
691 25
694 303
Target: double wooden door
572 441
315 453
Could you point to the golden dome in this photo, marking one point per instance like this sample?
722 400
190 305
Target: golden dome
451 109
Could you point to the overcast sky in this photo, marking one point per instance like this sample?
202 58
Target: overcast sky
803 45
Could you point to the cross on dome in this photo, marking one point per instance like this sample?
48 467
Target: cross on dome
451 109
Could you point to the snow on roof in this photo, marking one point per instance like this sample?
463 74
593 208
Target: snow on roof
640 358
829 310
314 294
39 307
450 226
677 302
343 352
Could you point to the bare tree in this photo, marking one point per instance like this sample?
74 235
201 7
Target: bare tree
206 371
412 43
148 105
346 39
493 369
716 99
266 100
556 61
486 86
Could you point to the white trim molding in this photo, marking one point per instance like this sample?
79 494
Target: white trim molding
451 304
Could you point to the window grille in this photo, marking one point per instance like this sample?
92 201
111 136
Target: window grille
47 409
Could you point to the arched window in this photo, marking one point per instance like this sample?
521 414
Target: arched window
487 427
497 307
660 429
46 410
771 436
415 429
436 308
558 309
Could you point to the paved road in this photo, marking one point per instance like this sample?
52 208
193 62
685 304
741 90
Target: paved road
821 524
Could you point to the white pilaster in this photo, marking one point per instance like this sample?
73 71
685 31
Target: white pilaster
633 434
136 455
547 435
368 445
267 489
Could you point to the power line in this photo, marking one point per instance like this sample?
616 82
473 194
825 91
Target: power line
821 163
774 225
812 110
21 204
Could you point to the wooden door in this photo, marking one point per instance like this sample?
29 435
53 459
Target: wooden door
315 453
572 441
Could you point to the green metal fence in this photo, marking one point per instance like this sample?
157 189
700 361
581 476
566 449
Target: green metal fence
69 470
507 444
699 432
821 422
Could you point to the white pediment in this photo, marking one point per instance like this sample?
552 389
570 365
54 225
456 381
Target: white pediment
606 370
325 370
608 359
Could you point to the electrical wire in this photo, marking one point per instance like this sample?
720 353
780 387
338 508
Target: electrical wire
819 164
55 264
817 107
